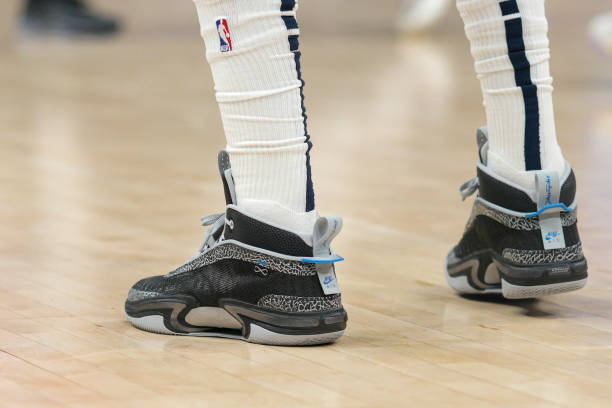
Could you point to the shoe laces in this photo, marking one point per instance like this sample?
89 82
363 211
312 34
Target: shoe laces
468 188
217 221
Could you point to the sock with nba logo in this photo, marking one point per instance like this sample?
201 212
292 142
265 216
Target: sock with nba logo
252 49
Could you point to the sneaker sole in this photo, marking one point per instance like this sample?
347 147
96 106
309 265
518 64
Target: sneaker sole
485 272
256 324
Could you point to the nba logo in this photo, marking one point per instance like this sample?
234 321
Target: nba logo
225 38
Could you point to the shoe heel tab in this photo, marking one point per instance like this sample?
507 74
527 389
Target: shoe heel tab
548 194
547 187
482 140
325 230
554 190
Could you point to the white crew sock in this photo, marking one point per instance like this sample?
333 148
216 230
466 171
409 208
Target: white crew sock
259 90
509 42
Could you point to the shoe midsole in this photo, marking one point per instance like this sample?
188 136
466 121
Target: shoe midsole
475 265
542 274
175 309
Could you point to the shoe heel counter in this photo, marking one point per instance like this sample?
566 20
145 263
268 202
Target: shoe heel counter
301 304
532 250
568 254
303 294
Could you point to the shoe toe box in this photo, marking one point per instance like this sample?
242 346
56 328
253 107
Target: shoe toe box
146 288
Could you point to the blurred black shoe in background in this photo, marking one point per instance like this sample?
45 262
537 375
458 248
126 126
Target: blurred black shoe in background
71 17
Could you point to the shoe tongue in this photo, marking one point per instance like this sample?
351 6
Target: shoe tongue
225 170
482 139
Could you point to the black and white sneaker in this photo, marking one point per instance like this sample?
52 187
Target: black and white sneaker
519 243
251 280
69 17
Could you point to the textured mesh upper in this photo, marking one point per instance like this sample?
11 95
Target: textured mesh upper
266 277
229 279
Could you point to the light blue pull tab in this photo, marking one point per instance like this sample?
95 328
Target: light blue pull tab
548 190
325 230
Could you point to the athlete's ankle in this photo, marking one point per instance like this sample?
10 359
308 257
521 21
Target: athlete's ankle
525 179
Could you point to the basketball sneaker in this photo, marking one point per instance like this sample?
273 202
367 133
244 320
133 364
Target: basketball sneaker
251 280
517 242
71 17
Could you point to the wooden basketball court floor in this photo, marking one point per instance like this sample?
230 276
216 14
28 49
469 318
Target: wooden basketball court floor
107 161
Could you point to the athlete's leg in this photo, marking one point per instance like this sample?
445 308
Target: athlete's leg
522 238
265 271
509 42
259 90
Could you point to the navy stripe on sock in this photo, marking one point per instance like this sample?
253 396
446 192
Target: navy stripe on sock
522 76
294 42
532 128
290 24
287 5
509 7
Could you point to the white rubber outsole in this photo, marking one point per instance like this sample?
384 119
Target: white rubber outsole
461 285
257 334
511 291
